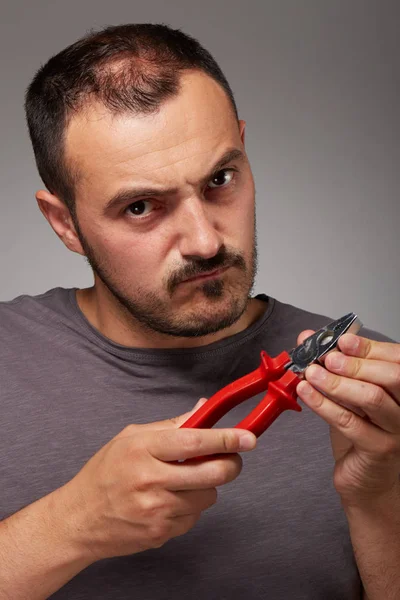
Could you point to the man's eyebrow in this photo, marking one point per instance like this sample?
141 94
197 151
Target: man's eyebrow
130 194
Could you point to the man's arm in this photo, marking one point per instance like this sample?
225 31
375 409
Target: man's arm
38 552
126 499
375 534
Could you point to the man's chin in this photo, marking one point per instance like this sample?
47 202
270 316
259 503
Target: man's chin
207 320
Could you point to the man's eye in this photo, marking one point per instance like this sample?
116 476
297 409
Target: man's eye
141 208
220 178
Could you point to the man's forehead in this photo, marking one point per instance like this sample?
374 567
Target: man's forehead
101 144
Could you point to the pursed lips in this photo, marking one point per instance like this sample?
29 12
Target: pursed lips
206 275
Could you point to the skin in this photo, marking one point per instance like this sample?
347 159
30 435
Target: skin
141 261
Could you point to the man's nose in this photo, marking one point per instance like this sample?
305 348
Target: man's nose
198 234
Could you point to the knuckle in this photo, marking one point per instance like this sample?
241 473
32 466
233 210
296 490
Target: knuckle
212 497
355 367
396 375
188 523
145 480
389 449
334 383
151 505
141 482
191 440
158 534
346 419
367 347
375 398
230 442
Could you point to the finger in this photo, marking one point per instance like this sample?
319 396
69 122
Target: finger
379 372
181 525
202 475
372 399
190 502
362 433
355 345
181 444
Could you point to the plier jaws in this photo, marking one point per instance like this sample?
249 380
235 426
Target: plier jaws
280 375
321 342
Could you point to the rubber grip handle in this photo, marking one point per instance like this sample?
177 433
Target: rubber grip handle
281 396
236 392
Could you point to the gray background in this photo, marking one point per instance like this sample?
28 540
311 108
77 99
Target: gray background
318 84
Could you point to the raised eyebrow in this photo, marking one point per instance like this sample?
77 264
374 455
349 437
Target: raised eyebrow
130 194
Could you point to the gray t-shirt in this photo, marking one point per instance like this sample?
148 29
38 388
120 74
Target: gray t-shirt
277 532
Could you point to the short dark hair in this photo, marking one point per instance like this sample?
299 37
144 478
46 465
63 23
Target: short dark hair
132 67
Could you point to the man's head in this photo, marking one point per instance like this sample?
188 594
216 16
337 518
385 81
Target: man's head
137 139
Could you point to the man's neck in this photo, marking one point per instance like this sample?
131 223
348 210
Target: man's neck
114 322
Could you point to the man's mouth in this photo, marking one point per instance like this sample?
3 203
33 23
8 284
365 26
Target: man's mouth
205 276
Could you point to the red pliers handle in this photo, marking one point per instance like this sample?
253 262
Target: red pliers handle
281 396
278 375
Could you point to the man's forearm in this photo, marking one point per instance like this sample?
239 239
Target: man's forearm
375 534
38 554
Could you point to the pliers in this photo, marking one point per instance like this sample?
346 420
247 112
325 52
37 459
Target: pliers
280 375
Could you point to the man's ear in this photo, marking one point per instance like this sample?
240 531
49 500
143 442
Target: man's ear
59 217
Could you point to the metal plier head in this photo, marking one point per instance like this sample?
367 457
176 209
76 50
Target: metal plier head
321 342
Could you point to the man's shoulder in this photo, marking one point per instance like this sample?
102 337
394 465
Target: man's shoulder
25 310
291 319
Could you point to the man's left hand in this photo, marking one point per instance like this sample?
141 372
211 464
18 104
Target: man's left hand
360 400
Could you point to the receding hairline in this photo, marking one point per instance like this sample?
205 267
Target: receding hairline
88 106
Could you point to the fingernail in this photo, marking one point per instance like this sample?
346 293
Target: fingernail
352 342
304 388
247 441
316 373
336 360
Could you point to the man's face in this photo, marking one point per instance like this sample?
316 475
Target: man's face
182 258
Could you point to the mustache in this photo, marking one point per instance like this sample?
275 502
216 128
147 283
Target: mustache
196 267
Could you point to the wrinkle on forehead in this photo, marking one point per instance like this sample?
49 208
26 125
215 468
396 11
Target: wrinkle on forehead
109 149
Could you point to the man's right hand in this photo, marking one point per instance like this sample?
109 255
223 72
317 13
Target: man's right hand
133 494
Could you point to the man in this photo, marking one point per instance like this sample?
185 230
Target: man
137 139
